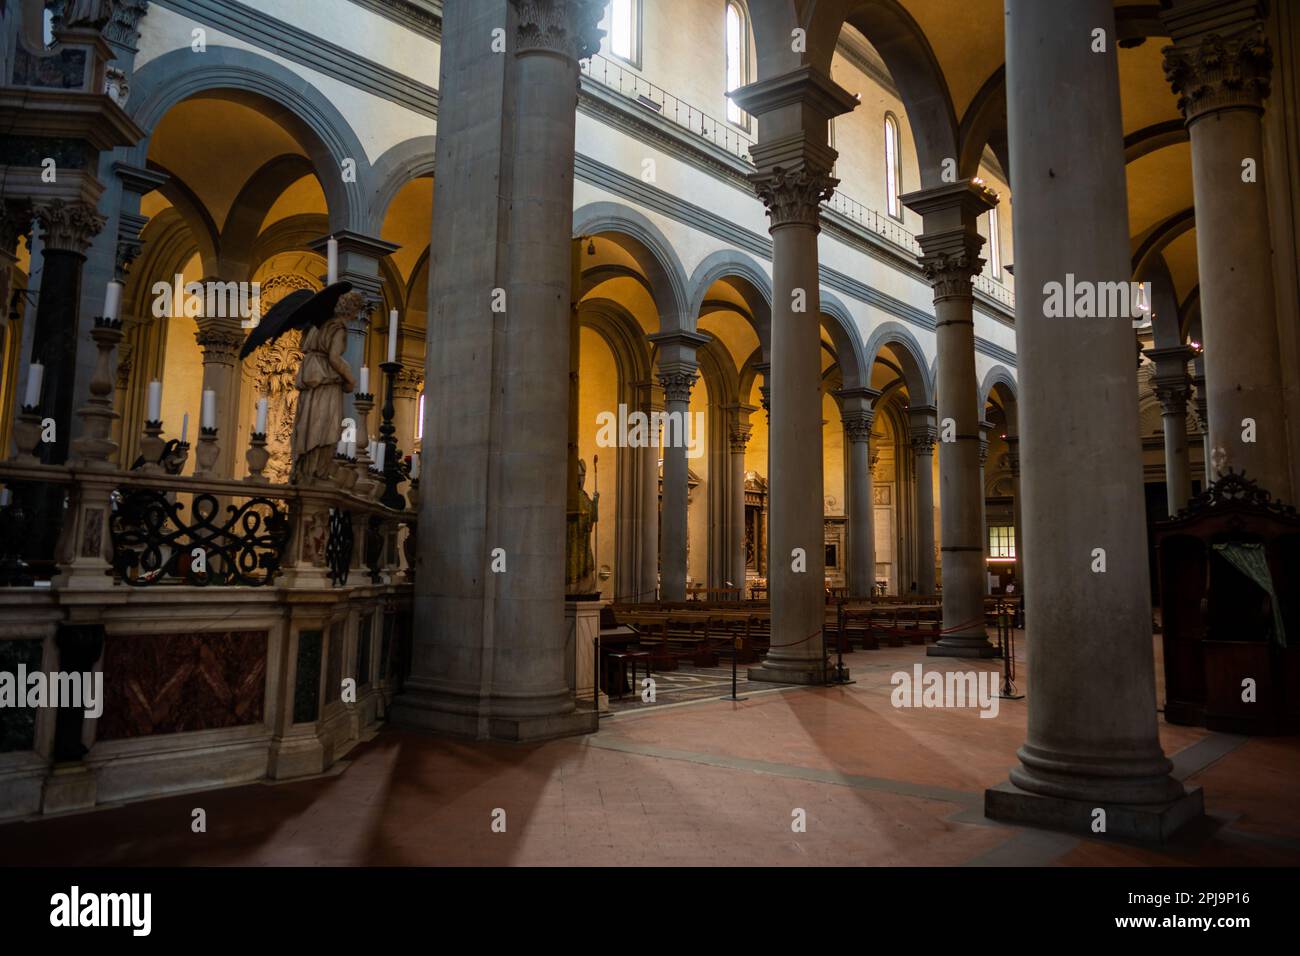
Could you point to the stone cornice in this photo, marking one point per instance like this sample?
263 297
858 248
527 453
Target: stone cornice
421 16
67 114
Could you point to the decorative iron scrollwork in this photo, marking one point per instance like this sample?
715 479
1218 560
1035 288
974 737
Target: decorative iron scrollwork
152 542
1234 488
338 546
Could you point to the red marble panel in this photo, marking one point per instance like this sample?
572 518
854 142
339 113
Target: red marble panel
169 683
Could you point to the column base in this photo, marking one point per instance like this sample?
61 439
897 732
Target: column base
420 712
1145 823
953 646
69 786
792 672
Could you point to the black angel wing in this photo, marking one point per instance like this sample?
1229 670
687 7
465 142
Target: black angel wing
297 310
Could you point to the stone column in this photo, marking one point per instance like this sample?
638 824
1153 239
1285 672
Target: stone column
1219 65
793 178
220 340
1092 741
923 435
950 260
859 416
1013 464
985 428
648 576
738 441
1203 420
66 230
1172 388
489 657
677 375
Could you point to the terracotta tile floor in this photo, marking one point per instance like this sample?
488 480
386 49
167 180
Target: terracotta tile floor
706 783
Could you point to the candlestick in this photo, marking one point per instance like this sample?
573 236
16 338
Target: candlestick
185 428
364 386
260 427
257 457
35 378
332 258
112 299
151 447
155 401
205 456
415 466
392 337
209 416
391 455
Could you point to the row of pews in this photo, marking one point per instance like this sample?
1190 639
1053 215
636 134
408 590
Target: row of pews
705 632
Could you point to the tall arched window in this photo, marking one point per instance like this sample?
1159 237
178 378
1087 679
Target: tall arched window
737 70
893 167
995 245
624 32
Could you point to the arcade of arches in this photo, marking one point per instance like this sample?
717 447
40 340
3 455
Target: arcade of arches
830 297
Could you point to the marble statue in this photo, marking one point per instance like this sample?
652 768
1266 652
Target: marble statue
93 13
581 578
323 379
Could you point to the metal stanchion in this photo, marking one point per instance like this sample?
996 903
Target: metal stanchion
839 677
595 684
736 645
1008 655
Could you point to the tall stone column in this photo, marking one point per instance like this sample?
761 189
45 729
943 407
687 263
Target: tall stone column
1219 65
1173 389
794 166
1013 464
677 376
737 442
1092 741
492 649
648 576
859 416
950 245
220 340
66 231
1203 419
923 435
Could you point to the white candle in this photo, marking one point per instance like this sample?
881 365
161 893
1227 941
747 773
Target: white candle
185 428
5 497
415 465
260 427
379 455
155 401
341 447
333 260
352 449
112 299
35 376
365 380
392 336
209 419
370 449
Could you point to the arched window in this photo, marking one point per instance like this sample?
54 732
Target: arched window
995 245
893 167
624 30
737 68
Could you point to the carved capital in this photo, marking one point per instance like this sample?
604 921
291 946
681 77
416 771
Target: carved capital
951 274
68 227
1173 397
738 438
923 438
677 384
123 27
794 196
1214 72
566 27
410 382
857 425
220 341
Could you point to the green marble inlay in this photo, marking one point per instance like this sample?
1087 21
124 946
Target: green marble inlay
306 688
18 724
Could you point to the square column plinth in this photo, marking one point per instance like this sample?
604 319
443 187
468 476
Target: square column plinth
1144 823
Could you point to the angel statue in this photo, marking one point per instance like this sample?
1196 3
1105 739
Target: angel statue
324 376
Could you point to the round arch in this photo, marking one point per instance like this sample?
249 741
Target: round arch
837 321
755 287
409 160
651 250
916 373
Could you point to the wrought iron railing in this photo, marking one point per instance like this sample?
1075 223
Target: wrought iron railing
644 95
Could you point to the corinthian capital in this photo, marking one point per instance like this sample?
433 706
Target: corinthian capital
567 27
677 384
857 425
794 196
951 274
1216 72
220 340
68 227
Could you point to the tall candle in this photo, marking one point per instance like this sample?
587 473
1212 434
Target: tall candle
352 448
365 380
392 336
332 252
260 427
185 428
155 401
35 377
379 457
5 498
371 449
112 299
415 465
341 447
209 419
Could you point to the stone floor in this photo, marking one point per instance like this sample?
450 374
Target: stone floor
700 782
